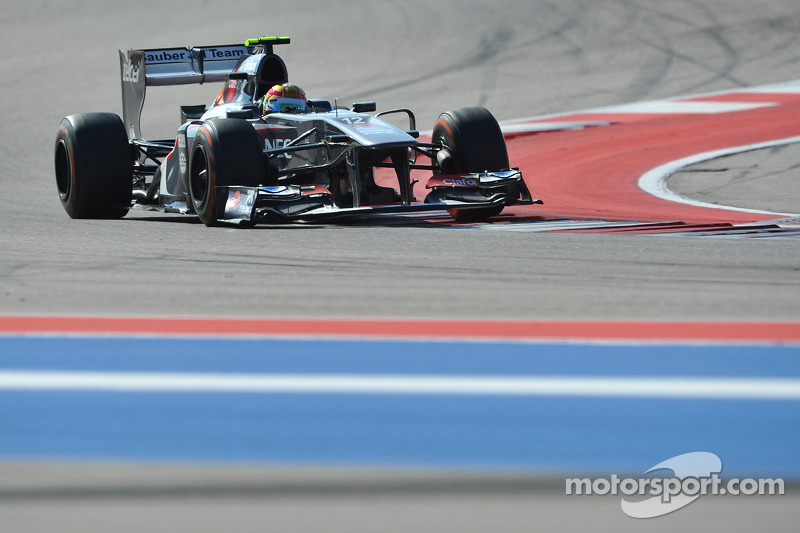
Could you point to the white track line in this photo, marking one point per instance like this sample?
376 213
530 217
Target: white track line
550 225
789 87
669 107
652 387
654 181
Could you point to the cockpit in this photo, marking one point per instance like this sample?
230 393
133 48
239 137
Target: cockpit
252 78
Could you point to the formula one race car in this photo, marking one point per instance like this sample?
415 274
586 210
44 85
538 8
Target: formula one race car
231 163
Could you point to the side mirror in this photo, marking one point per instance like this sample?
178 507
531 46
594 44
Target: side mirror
319 105
246 111
364 107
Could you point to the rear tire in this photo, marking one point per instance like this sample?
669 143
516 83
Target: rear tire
225 152
471 141
94 171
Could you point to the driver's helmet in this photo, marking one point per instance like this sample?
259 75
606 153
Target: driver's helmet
284 98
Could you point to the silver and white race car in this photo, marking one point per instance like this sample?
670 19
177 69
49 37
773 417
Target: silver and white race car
231 164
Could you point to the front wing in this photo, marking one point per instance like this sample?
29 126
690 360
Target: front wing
315 202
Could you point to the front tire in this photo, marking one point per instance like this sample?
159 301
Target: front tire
225 152
471 141
94 171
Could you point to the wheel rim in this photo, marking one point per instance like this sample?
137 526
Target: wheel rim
198 177
441 141
63 170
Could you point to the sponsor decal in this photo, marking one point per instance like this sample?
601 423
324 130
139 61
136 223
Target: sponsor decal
354 121
240 203
502 174
282 190
182 162
493 177
234 200
374 130
224 53
130 71
484 179
180 55
277 144
468 182
167 56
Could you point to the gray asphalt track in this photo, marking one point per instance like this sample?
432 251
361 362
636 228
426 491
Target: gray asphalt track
518 58
766 179
135 498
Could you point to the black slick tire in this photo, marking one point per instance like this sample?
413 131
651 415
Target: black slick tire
225 152
471 141
94 170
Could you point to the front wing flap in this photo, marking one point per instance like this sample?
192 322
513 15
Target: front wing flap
294 202
477 187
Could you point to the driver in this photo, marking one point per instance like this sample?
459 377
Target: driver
284 98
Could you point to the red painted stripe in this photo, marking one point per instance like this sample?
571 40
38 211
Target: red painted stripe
425 329
749 98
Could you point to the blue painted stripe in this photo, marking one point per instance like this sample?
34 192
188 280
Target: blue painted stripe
546 434
401 357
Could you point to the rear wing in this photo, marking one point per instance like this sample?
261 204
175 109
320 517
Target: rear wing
178 66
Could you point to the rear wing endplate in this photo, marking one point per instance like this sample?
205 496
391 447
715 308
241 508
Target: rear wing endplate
170 66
